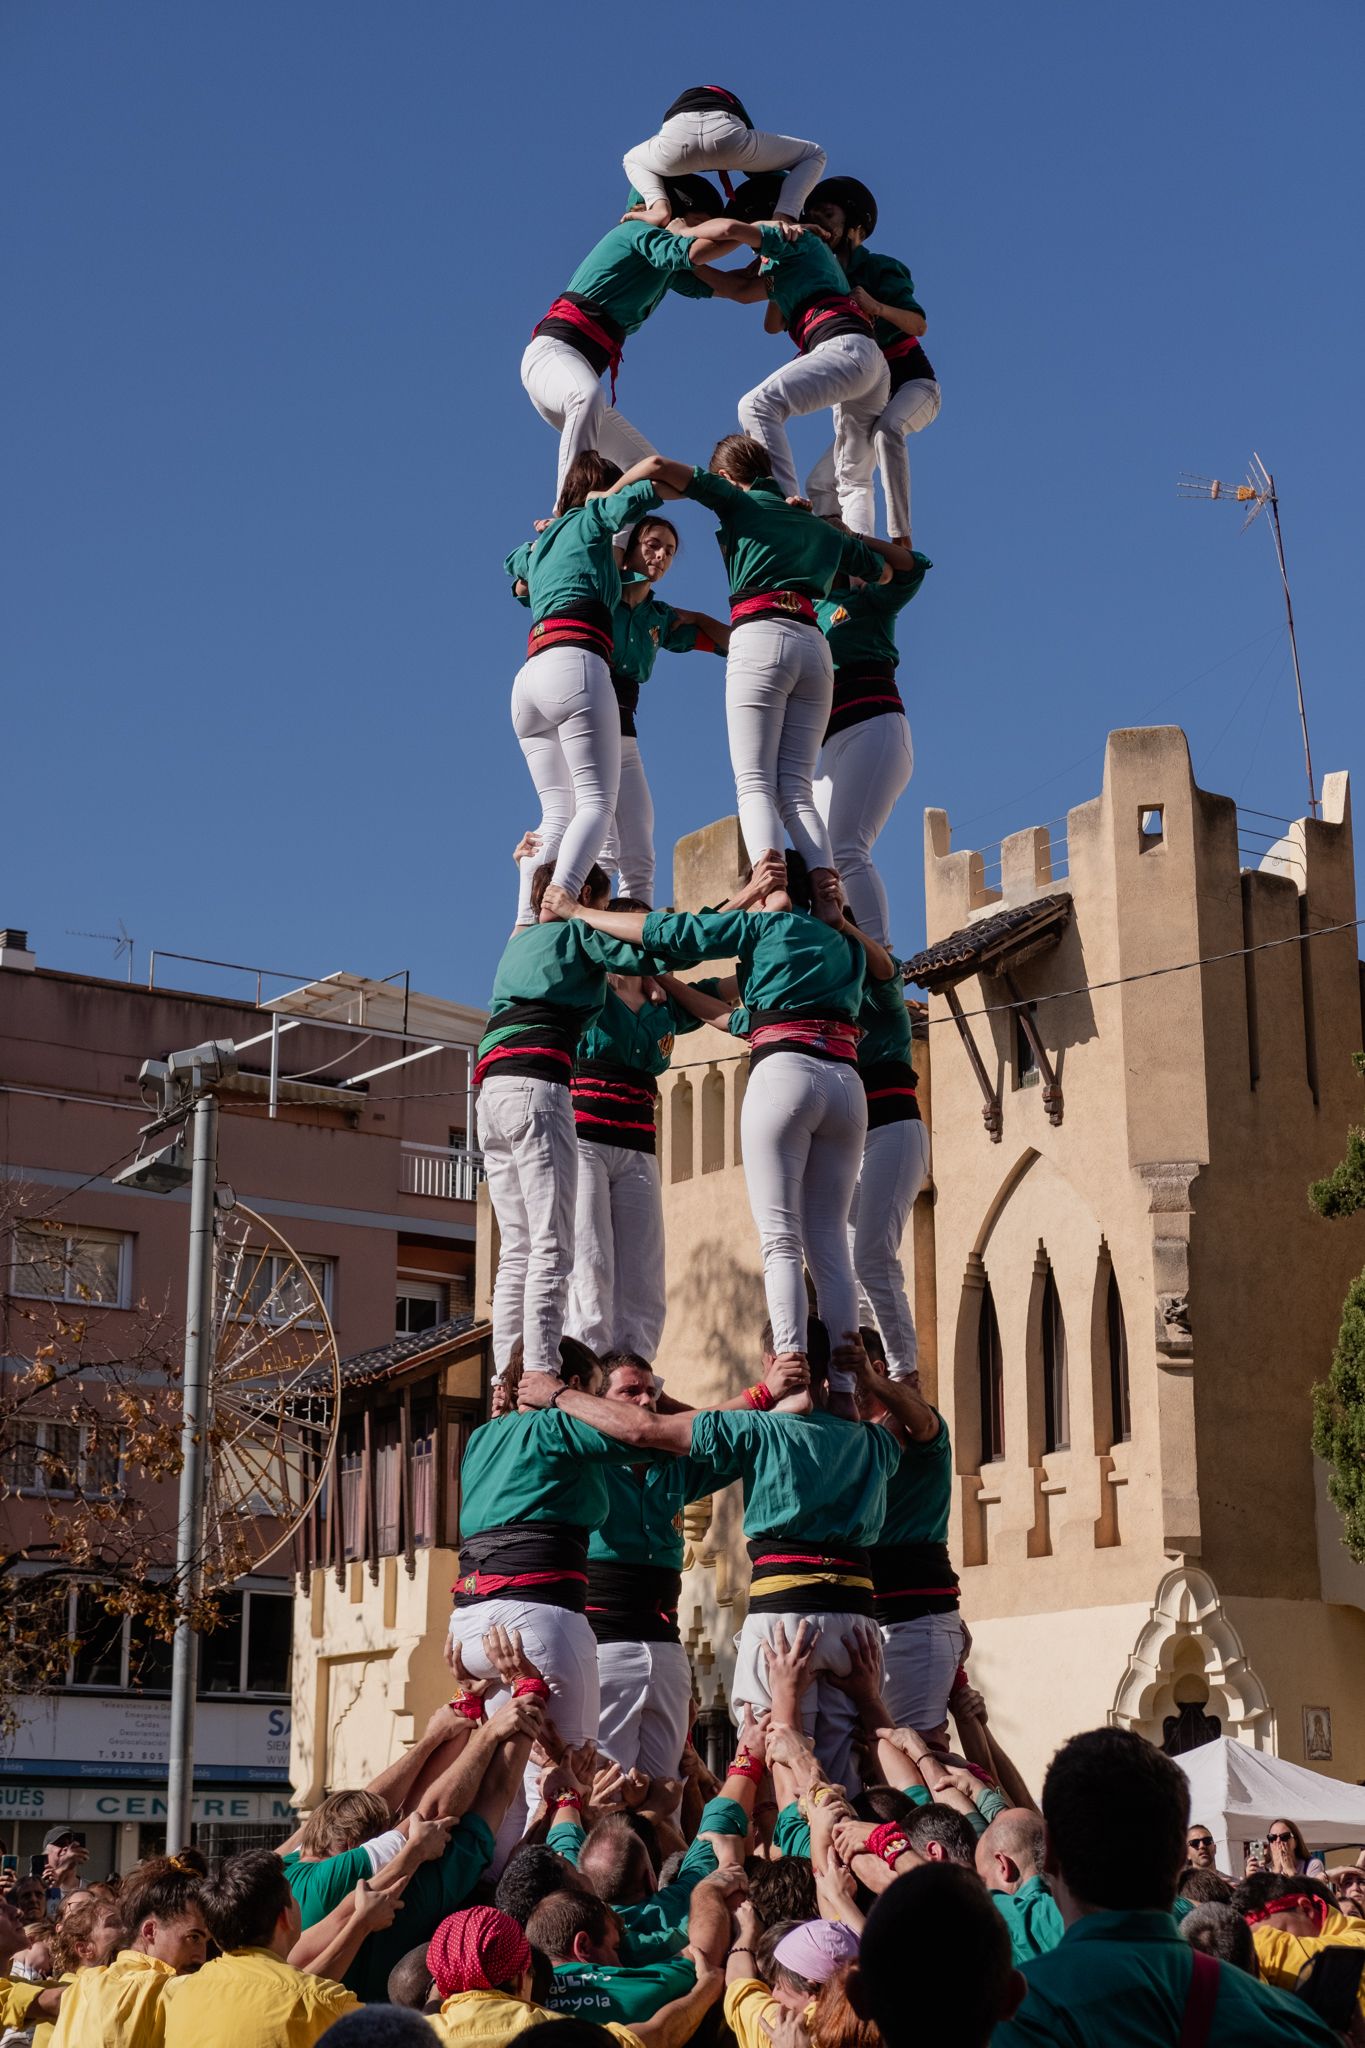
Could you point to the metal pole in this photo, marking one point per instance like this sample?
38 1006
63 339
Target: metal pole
274 1062
189 1548
1293 643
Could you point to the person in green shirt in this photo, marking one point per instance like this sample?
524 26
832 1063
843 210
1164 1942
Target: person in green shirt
1121 1976
800 984
582 1937
616 287
885 292
866 757
779 678
1009 1862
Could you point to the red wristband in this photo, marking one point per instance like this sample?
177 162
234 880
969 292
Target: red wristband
760 1395
530 1689
744 1764
467 1704
569 1799
887 1841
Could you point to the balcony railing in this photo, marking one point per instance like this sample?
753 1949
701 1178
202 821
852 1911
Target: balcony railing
440 1172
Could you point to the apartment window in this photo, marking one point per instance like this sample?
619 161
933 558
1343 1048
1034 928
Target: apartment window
64 1458
268 1286
249 1650
58 1264
1056 1395
1119 1399
991 1368
421 1305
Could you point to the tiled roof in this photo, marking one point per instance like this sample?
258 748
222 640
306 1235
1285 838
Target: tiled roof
365 1367
992 943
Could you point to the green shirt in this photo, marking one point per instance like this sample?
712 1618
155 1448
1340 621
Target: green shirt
640 632
565 963
860 625
813 1476
884 278
1032 1916
621 1992
784 959
573 562
541 1466
919 1493
433 1890
657 1927
771 545
644 1511
1121 1980
632 268
884 1021
798 271
642 1039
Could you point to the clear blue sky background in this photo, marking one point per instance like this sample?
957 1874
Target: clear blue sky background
269 273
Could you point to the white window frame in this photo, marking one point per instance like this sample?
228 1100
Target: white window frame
37 1485
248 1594
415 1289
67 1237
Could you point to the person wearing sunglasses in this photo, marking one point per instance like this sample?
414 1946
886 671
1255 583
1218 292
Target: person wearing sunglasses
1201 1851
1286 1854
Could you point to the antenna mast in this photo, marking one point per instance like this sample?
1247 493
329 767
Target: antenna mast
1258 492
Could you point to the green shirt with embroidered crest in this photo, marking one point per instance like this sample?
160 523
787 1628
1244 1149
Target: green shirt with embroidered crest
771 545
566 964
640 1040
573 562
860 625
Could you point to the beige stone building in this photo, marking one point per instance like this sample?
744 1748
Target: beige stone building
1122 1294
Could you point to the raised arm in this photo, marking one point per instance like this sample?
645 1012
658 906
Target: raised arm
909 321
698 1002
880 964
670 479
330 1947
619 1420
716 630
908 1407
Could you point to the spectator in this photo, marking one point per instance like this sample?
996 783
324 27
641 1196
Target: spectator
1219 1929
120 2006
1009 1862
1114 1881
29 1899
1201 1851
21 2004
66 1855
251 1996
1286 1854
935 1962
1349 1885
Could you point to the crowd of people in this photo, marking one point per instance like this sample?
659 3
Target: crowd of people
870 1867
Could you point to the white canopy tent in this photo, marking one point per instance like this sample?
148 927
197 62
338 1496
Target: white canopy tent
1236 1792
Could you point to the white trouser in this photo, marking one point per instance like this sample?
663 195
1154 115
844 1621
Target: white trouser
646 1690
628 849
711 140
907 411
921 1659
563 1649
895 1167
616 1295
802 1128
828 1716
861 772
779 684
530 1158
565 716
567 391
848 372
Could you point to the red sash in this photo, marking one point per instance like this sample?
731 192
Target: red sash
786 604
818 312
574 316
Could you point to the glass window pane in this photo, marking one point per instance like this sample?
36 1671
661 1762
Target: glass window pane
270 1633
101 1461
98 1658
149 1660
39 1261
320 1271
58 1456
220 1652
93 1271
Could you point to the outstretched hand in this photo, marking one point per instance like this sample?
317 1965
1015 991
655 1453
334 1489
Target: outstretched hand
538 1390
789 1664
503 1649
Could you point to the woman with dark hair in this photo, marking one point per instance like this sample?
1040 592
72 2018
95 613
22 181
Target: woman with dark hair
1287 1853
550 985
779 680
867 757
563 706
614 290
709 129
799 985
642 628
885 292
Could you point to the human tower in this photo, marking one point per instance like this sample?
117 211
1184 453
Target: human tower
568 1519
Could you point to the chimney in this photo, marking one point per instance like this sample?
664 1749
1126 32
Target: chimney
14 950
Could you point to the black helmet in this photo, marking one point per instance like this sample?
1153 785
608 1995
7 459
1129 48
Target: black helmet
689 194
860 208
756 197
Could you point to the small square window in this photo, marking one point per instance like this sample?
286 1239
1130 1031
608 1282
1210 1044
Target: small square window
1151 827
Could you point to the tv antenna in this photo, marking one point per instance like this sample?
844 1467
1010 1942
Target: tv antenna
119 940
1258 493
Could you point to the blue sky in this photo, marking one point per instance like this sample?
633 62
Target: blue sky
270 271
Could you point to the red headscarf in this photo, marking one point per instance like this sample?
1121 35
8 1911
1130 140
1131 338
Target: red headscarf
477 1950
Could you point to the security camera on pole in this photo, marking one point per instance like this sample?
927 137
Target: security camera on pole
186 1081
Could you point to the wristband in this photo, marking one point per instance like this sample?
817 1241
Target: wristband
818 1794
888 1842
468 1705
760 1396
530 1689
744 1764
572 1799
